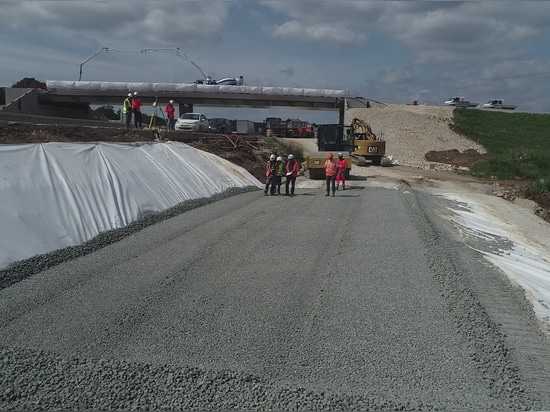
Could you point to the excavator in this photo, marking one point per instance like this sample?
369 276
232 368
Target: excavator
355 141
366 146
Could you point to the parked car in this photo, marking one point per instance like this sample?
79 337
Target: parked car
219 125
192 122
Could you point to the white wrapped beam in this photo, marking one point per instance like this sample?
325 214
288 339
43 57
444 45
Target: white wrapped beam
193 87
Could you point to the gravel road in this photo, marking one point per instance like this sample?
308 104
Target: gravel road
364 301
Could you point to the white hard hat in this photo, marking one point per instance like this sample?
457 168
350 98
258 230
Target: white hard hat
135 93
272 157
129 94
171 102
279 159
339 154
290 156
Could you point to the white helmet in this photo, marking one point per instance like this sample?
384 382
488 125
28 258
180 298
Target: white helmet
339 154
129 94
135 93
290 156
171 102
279 159
272 157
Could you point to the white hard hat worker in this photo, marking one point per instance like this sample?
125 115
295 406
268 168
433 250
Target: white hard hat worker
272 157
340 155
290 156
171 102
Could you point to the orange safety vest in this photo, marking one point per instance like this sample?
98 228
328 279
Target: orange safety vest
270 168
331 168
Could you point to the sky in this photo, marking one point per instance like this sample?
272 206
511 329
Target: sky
388 51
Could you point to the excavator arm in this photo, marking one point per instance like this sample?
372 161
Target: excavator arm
362 129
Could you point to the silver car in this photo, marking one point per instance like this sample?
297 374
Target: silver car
192 122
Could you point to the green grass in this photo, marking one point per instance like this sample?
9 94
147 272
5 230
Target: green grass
518 142
283 148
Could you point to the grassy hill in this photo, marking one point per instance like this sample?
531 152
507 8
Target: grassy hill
518 142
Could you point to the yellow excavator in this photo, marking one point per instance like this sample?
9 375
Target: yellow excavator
366 145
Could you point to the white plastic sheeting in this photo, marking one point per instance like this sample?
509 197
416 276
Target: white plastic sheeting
56 195
192 87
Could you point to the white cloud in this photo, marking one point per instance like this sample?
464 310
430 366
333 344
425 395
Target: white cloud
458 34
386 50
293 30
394 75
515 69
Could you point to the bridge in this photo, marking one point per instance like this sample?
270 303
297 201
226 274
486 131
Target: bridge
73 97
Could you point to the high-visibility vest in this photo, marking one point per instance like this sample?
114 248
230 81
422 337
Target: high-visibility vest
331 168
127 105
270 168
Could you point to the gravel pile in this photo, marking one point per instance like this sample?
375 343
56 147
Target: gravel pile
412 131
23 269
36 380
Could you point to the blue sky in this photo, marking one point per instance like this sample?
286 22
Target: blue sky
389 51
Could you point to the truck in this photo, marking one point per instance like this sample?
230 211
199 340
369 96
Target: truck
231 81
245 127
498 104
296 128
275 127
458 101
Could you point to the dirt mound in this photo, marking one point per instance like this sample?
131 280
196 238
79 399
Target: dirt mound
454 157
19 133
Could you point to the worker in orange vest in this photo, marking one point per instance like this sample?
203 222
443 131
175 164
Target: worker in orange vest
342 168
331 170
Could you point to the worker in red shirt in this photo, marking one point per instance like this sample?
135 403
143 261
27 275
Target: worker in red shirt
342 169
292 169
170 113
136 107
331 170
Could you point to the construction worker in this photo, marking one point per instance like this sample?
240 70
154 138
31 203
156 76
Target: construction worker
136 107
331 170
127 110
270 175
279 172
292 168
170 112
342 170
